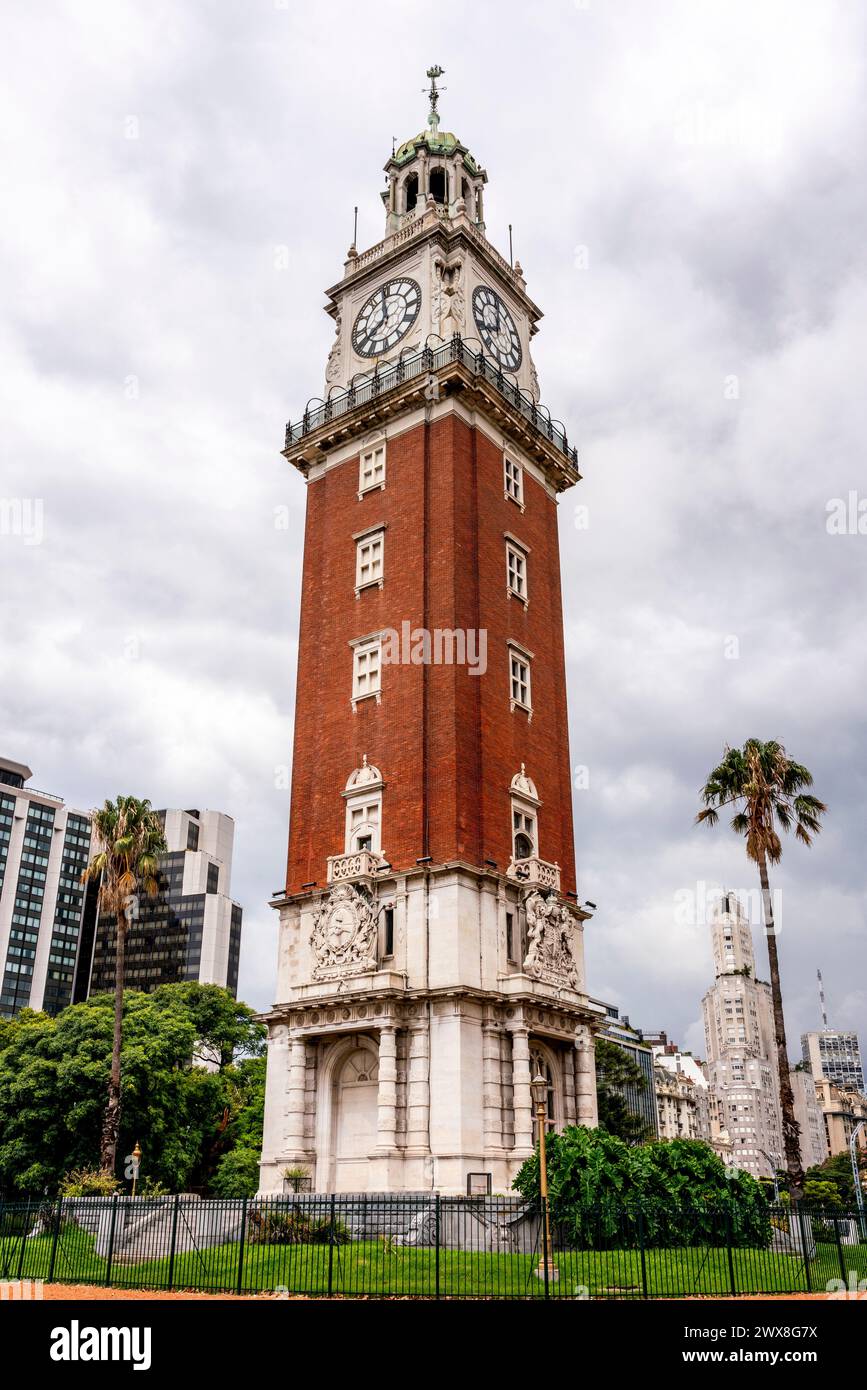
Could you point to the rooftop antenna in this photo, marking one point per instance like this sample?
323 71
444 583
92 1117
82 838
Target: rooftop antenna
511 258
393 146
355 228
433 119
822 999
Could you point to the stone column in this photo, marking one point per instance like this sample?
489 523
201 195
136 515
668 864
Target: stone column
480 206
454 185
392 193
418 1089
522 1103
585 1079
296 1096
386 1123
569 1058
491 1087
422 178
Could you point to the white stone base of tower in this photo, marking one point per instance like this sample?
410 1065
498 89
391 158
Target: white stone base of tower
413 1075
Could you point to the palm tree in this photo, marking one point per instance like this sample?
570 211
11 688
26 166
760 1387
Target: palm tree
129 837
767 789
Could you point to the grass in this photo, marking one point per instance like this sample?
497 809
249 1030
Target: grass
377 1267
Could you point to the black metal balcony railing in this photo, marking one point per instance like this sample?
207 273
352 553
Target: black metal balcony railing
427 360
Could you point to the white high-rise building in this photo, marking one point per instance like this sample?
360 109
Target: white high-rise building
741 1055
44 845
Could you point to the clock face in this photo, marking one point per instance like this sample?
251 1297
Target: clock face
497 328
386 317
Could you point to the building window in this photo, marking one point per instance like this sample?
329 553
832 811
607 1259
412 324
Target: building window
369 560
213 878
516 571
523 834
366 668
511 956
363 825
192 835
371 470
519 679
388 932
513 475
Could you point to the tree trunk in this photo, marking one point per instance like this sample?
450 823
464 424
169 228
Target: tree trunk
791 1128
111 1120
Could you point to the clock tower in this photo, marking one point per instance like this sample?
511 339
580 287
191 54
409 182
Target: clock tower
431 939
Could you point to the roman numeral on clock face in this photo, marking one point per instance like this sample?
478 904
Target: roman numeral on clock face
497 328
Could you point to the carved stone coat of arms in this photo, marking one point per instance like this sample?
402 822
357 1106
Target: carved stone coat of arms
344 934
550 956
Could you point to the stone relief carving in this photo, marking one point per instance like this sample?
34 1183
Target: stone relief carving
332 367
453 288
437 296
344 934
550 956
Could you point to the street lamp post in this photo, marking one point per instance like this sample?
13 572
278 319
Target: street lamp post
856 1175
547 1268
136 1164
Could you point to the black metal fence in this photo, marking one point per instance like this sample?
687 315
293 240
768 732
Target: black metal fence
426 1247
466 351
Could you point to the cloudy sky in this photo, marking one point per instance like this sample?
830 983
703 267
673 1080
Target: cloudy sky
686 186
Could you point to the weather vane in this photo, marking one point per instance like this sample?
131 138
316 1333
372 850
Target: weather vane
433 119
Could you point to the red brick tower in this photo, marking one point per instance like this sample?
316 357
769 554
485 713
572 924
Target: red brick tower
431 947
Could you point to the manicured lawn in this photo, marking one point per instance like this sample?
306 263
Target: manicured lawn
377 1267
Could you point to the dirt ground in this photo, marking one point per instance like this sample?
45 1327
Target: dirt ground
85 1293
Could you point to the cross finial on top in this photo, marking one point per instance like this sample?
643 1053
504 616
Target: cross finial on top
433 119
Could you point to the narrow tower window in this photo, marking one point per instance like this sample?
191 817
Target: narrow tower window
371 471
438 185
514 480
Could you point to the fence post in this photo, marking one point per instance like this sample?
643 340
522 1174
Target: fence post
331 1249
545 1229
843 1272
24 1235
641 1246
174 1245
804 1249
111 1227
241 1246
437 1239
729 1244
55 1239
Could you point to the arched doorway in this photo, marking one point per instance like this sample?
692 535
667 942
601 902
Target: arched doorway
542 1063
356 1086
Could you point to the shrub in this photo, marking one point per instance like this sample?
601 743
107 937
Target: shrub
606 1193
278 1228
328 1232
89 1182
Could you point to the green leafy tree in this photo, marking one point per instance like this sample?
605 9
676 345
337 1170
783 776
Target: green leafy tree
184 1114
129 839
680 1192
837 1170
767 791
616 1076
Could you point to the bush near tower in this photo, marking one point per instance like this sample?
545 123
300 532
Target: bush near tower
678 1192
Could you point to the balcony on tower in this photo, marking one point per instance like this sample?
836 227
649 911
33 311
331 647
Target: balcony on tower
535 873
361 864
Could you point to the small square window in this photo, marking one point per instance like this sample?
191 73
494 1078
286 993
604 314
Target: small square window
367 661
369 559
516 572
514 480
371 470
519 680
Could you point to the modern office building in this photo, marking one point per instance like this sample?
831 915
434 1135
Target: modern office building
640 1100
44 845
191 929
834 1056
808 1113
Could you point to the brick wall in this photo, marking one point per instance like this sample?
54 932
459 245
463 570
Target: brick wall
445 740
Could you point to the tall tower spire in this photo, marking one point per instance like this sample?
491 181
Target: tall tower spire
433 119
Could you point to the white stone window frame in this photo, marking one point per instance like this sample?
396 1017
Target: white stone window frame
521 553
513 484
371 475
365 802
520 654
521 803
362 647
362 539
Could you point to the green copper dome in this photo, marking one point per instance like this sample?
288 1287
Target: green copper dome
439 142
